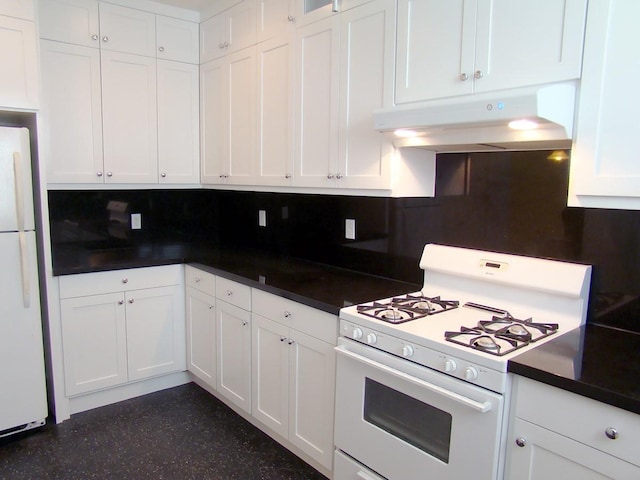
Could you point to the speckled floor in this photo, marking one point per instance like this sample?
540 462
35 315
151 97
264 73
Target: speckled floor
181 433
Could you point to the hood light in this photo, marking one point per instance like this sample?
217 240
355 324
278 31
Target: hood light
523 124
404 133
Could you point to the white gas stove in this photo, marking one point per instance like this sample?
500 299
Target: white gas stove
476 310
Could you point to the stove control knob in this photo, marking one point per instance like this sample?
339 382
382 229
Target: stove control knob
371 338
450 365
356 334
407 351
470 373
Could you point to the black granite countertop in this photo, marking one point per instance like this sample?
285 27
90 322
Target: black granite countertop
596 361
319 286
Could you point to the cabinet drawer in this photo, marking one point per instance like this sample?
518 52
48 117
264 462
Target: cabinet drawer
200 280
119 280
234 293
580 418
316 323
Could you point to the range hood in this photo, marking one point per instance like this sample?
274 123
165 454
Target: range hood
480 122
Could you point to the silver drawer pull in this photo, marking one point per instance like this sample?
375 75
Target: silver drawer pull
229 293
291 341
125 280
131 300
611 433
282 339
521 441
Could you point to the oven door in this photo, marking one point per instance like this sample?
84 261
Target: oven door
404 421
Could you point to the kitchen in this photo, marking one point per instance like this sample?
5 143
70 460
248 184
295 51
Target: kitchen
512 202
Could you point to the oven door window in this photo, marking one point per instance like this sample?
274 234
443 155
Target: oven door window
415 422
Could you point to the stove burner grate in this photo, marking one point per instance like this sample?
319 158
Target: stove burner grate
405 308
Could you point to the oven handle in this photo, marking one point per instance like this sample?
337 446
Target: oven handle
481 407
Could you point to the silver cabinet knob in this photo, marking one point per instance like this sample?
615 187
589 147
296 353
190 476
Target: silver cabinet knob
120 302
291 341
109 174
287 175
163 174
105 39
197 279
464 77
161 49
478 74
99 174
282 339
287 314
339 176
221 45
330 176
611 433
94 37
521 441
125 280
245 323
131 300
210 307
226 44
229 293
291 18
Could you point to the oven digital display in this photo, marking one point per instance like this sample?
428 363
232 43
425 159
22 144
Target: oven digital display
417 423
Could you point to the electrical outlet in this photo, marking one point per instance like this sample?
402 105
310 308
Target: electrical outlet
350 229
136 221
262 218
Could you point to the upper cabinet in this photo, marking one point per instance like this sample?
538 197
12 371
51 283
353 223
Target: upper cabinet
18 55
309 11
459 47
274 18
605 172
120 96
230 31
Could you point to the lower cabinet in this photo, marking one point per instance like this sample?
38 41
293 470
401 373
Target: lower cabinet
294 373
132 328
557 434
201 334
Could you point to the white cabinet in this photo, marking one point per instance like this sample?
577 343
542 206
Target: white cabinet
72 113
19 59
130 118
458 47
230 31
127 30
563 435
604 170
274 18
177 40
178 122
121 326
227 96
294 373
344 72
116 115
310 11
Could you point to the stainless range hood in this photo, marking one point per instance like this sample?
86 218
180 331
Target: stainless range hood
480 122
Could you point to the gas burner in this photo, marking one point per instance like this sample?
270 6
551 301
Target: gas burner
406 307
522 330
482 341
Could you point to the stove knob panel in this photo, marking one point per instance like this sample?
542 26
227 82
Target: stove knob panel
450 365
372 338
356 334
407 351
470 373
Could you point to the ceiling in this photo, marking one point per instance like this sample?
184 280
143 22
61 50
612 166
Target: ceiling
198 5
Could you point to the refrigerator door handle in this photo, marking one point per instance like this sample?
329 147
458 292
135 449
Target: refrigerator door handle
24 267
19 190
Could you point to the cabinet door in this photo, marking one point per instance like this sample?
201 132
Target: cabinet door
18 8
522 43
241 78
312 396
213 35
201 335
605 172
275 18
241 26
127 30
130 124
178 122
547 454
275 111
214 112
94 342
177 39
270 373
19 60
156 341
316 103
70 21
72 109
436 47
366 84
234 354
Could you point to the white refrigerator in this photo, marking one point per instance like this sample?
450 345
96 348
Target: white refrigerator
23 399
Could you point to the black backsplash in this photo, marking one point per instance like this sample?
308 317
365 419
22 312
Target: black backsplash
513 202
